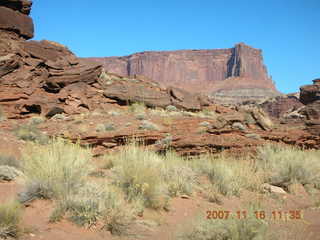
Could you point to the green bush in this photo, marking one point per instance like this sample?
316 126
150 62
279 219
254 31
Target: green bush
10 217
284 165
58 168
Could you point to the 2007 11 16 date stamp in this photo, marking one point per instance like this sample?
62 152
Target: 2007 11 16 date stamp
261 214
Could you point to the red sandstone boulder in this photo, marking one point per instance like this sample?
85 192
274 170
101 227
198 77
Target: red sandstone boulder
23 6
279 106
17 22
310 93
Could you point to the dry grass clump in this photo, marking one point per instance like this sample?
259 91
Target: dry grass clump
10 217
179 176
138 175
229 176
2 115
95 203
137 107
103 127
30 132
148 177
250 228
147 125
36 120
284 165
7 160
57 168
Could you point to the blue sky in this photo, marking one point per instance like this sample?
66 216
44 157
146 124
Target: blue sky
287 31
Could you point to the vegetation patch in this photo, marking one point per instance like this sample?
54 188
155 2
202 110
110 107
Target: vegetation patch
7 160
10 217
150 178
2 115
30 132
250 228
104 127
137 107
229 176
284 165
58 168
147 125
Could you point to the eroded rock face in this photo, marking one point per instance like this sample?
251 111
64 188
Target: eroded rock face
33 74
197 70
130 90
279 106
14 17
310 95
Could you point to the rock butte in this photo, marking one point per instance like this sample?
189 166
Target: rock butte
236 72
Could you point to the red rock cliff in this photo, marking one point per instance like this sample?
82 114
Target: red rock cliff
197 70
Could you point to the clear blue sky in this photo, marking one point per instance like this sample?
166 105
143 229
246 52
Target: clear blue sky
288 31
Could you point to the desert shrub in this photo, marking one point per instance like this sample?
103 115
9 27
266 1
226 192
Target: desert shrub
93 203
138 175
137 107
284 165
30 132
37 120
10 217
8 173
171 108
165 142
229 176
58 168
147 125
2 115
207 113
180 177
140 116
205 124
7 160
250 228
103 127
148 177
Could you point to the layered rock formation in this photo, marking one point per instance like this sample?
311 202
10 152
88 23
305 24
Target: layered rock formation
310 95
14 17
206 71
33 73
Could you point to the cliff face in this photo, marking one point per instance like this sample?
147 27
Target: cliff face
197 70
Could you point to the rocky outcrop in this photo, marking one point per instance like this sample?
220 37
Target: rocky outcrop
310 95
206 71
36 77
280 106
14 17
130 90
